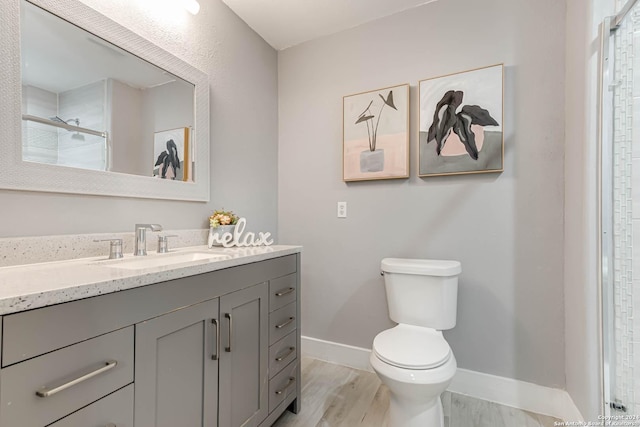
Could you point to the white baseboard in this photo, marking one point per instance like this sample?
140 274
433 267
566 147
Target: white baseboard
341 354
505 391
515 393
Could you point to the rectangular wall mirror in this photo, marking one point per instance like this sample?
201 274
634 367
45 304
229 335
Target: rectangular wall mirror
101 110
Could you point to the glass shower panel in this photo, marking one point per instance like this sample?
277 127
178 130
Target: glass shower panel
625 177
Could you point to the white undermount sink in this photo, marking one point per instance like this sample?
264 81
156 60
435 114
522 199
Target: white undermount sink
161 260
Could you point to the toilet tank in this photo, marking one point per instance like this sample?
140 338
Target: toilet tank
422 292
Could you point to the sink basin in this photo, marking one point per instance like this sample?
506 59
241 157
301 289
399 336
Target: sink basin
161 260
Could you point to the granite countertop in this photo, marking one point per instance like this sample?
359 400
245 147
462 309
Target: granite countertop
29 286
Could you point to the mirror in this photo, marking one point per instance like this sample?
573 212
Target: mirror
102 110
121 113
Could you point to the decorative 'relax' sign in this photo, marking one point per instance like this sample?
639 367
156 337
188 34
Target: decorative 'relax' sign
240 238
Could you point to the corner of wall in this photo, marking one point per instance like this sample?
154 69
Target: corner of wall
583 362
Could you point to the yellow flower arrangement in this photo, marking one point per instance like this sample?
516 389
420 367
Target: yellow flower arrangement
222 217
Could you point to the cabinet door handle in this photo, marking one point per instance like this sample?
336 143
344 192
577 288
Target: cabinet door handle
111 425
282 325
215 322
228 316
282 292
287 354
46 392
292 381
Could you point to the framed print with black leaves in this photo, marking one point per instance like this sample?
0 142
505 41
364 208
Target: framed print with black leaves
461 123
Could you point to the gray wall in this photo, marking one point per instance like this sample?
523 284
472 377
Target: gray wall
582 346
169 106
128 153
243 75
506 229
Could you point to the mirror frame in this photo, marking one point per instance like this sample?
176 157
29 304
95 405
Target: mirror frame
16 174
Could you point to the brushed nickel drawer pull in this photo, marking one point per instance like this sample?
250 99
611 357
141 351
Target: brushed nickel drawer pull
282 325
292 381
282 292
287 354
217 325
111 425
46 392
228 316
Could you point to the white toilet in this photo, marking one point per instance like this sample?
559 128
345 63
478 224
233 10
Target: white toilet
413 359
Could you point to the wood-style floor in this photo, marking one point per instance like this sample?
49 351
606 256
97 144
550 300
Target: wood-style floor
337 396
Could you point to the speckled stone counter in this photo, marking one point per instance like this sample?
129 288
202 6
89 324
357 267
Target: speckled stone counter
29 250
25 287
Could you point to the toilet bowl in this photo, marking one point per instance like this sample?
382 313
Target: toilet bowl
413 359
417 380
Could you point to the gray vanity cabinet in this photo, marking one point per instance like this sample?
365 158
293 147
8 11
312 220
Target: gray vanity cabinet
244 359
114 410
42 390
176 368
182 365
218 349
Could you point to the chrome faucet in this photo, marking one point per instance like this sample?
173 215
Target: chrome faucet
141 237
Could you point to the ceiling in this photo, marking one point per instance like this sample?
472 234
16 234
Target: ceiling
285 23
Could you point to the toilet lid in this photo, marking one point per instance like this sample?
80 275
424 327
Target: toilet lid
412 347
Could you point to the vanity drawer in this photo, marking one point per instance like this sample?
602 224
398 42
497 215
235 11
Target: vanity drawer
67 379
113 410
281 322
282 353
282 291
282 385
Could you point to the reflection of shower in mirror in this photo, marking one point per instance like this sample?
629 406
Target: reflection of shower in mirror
78 136
112 87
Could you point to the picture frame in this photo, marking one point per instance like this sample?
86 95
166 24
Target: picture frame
461 123
171 154
375 134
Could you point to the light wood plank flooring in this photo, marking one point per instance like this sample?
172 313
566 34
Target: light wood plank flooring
337 396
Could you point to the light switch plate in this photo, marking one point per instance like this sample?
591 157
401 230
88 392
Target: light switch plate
342 209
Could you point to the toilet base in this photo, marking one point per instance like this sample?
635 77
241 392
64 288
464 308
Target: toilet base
414 395
403 415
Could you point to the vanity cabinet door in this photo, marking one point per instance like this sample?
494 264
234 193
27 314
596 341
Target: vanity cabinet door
244 360
176 368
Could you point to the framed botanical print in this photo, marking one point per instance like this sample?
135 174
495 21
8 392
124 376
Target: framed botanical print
375 138
171 154
461 123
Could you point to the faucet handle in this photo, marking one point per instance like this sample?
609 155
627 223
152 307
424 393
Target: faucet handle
163 243
115 249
